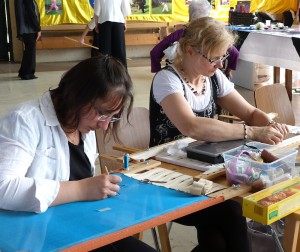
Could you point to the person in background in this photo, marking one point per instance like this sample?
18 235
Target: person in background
165 7
49 145
91 26
287 17
183 101
142 5
110 19
53 6
28 31
168 46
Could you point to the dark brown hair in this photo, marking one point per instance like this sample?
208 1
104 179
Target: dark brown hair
101 77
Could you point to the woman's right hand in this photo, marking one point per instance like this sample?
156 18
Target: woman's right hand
101 186
81 41
89 189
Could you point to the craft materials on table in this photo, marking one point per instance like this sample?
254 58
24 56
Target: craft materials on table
177 181
258 167
273 203
176 154
126 161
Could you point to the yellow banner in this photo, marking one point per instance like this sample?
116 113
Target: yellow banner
273 6
55 12
159 11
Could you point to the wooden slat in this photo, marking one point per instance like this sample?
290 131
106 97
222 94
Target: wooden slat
59 42
138 33
63 27
143 25
130 25
142 39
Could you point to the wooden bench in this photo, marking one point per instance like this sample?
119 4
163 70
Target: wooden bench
145 33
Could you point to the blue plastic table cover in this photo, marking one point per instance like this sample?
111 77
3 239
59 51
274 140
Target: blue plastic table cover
64 226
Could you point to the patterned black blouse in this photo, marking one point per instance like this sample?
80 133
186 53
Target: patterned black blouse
162 130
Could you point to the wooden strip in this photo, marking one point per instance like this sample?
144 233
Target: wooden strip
58 42
210 175
74 40
231 192
153 151
286 144
142 39
126 149
141 166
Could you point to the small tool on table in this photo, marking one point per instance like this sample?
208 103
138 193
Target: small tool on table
149 181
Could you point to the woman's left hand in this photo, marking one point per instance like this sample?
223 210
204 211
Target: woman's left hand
282 128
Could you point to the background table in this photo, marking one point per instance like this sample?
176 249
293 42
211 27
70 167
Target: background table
276 48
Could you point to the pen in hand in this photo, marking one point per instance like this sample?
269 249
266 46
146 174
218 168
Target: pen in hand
107 173
106 170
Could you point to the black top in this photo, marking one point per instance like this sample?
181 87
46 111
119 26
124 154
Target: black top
27 17
80 166
162 130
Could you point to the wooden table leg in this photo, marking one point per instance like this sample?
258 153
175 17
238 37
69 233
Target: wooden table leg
288 80
289 83
291 233
276 74
164 238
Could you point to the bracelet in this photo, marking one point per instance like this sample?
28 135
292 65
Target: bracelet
245 131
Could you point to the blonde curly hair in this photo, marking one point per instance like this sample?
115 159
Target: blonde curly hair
207 35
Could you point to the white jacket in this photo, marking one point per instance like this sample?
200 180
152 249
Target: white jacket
34 156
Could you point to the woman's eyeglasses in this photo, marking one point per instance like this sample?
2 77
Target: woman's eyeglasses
214 60
111 119
105 118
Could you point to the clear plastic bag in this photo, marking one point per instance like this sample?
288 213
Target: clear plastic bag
261 238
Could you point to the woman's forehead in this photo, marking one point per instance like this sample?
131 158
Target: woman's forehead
109 105
216 52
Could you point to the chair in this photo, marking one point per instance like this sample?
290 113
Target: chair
135 135
274 98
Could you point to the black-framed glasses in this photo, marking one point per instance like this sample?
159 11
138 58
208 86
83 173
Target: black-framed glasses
103 118
214 60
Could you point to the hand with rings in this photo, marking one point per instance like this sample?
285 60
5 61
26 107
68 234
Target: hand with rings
282 128
273 134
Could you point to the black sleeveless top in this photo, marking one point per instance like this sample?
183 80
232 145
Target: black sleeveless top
162 130
80 166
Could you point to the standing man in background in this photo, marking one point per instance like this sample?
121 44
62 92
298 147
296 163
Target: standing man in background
110 19
28 31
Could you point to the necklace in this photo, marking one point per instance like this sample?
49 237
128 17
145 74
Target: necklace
195 92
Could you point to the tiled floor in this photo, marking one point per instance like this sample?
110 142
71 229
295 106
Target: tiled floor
13 91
